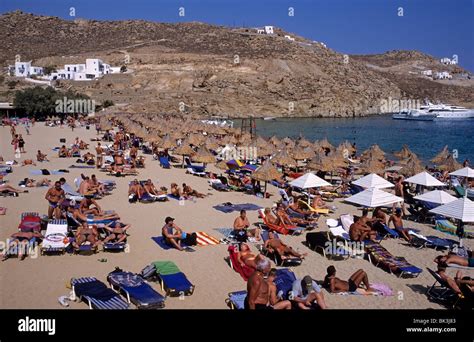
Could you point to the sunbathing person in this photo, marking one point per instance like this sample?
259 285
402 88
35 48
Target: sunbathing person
150 188
41 157
241 228
246 257
318 203
88 158
28 162
398 224
99 152
306 293
86 233
258 290
85 207
274 244
283 216
8 188
117 232
20 244
335 285
273 300
176 191
31 183
63 152
379 215
360 232
96 185
75 152
190 192
55 196
86 189
76 214
135 190
173 234
454 259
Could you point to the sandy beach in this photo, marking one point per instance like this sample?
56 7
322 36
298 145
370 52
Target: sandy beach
36 283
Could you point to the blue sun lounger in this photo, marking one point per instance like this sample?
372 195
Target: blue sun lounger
236 300
196 168
96 294
284 282
136 290
164 162
171 279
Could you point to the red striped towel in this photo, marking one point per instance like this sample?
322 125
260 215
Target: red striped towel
204 239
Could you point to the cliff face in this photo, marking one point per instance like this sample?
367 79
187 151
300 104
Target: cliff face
212 70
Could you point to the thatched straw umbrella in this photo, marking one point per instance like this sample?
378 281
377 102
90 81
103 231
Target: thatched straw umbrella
324 143
404 153
167 142
316 163
267 172
441 156
372 166
450 164
412 166
184 150
195 139
274 140
222 165
283 158
211 143
288 142
372 152
203 156
302 142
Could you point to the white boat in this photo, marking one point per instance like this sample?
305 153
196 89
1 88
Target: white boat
413 114
219 121
445 111
268 118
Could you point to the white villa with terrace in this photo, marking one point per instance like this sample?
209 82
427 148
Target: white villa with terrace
93 68
24 69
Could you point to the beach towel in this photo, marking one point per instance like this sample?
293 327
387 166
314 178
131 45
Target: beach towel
160 241
229 207
46 172
380 290
81 167
244 271
204 239
446 226
236 300
166 267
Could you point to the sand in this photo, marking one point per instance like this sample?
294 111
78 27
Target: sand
37 283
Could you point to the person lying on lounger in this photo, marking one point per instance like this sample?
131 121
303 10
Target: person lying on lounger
89 158
318 202
273 300
31 183
306 292
360 232
41 157
117 232
76 214
55 196
274 244
335 285
173 234
86 188
90 206
19 244
8 188
455 259
398 224
176 191
282 215
86 233
190 192
241 228
135 190
258 292
246 257
28 162
300 208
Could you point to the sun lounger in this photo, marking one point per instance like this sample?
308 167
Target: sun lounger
418 240
276 257
441 293
319 242
171 279
323 211
164 162
30 222
55 239
399 266
284 282
194 172
245 271
217 184
96 294
136 290
194 167
236 300
282 229
284 196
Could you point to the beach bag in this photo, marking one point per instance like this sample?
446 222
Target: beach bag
241 236
190 239
148 272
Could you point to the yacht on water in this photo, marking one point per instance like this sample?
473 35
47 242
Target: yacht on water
431 112
219 121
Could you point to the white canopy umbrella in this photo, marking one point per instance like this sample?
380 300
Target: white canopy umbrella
309 180
461 209
373 181
436 196
374 197
464 172
425 179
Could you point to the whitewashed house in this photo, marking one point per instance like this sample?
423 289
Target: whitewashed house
443 75
428 73
24 69
290 38
448 61
93 68
269 29
260 31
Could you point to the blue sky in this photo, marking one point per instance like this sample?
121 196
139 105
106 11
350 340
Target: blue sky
442 28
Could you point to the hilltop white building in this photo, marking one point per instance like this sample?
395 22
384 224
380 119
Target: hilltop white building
449 61
443 75
427 73
24 69
290 38
93 68
265 30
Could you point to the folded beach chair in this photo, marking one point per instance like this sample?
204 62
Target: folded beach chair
96 294
195 173
399 266
441 293
136 290
320 242
236 300
30 222
55 239
164 162
171 279
283 229
276 257
245 271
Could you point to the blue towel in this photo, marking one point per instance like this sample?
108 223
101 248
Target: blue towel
284 281
236 207
94 289
238 299
160 241
177 282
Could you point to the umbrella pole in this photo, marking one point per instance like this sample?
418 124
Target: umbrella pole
264 193
182 165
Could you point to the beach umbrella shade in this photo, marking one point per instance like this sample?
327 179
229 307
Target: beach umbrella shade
450 164
372 166
212 144
302 142
267 172
373 181
373 151
167 142
461 209
404 153
275 141
203 156
184 150
412 166
309 180
283 158
441 156
425 179
325 144
436 197
222 165
464 172
299 153
373 198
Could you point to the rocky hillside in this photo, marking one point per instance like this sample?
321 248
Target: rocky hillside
212 70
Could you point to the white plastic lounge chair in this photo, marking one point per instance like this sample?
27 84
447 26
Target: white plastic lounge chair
55 237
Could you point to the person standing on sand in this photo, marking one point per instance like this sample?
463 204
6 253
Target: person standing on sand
55 196
400 193
258 290
15 142
21 143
